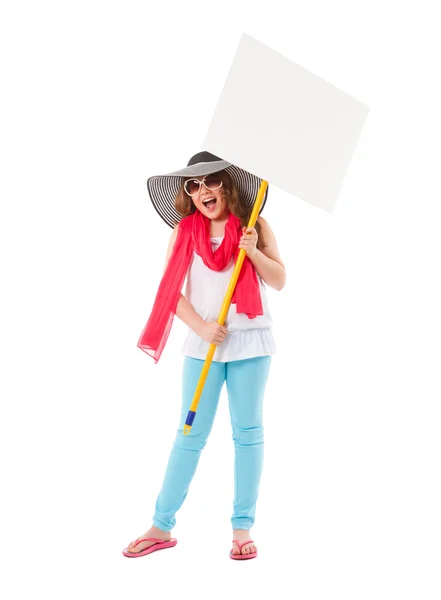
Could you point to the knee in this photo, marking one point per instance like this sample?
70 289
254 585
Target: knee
248 436
193 441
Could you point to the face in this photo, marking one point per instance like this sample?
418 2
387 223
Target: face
210 202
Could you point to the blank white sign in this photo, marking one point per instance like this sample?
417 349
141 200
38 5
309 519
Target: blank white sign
284 124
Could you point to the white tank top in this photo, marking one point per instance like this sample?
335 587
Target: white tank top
246 338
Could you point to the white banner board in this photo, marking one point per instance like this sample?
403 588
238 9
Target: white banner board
284 124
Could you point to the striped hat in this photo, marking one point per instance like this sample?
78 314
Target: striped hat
163 189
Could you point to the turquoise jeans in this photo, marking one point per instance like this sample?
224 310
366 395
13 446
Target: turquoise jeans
246 380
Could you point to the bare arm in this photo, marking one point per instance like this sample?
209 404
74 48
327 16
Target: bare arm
188 315
267 262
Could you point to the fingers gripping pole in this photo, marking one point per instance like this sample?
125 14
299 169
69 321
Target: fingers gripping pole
223 312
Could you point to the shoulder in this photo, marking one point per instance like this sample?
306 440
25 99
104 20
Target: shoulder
181 226
267 232
270 249
172 239
263 222
171 244
185 225
174 234
180 231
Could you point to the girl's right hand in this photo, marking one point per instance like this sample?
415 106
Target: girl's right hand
213 332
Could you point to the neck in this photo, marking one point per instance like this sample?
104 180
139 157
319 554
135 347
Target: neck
217 226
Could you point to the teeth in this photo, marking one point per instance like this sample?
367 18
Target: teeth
207 200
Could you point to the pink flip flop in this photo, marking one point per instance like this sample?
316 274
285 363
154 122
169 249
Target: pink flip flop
158 545
243 556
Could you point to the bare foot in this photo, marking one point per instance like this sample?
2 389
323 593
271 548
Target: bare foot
153 532
242 535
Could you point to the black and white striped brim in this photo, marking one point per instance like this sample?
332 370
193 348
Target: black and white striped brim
163 189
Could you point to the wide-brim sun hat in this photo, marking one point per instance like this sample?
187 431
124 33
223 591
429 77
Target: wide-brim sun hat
163 189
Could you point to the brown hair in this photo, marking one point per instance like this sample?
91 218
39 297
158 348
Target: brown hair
184 205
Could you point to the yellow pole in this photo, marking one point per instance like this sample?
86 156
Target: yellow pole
223 312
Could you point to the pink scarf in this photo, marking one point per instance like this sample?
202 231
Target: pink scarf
194 235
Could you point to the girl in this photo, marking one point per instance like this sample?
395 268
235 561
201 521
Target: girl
209 204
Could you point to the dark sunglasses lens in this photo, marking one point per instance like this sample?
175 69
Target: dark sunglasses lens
213 182
192 186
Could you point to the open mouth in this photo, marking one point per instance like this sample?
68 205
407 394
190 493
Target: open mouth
209 203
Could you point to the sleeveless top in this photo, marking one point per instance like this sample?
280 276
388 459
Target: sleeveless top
246 338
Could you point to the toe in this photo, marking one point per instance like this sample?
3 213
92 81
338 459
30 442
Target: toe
136 546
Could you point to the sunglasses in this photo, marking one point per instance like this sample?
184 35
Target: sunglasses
211 182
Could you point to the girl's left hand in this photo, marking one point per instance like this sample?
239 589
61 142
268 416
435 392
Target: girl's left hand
248 241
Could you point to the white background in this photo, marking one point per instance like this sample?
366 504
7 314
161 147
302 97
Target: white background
97 97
